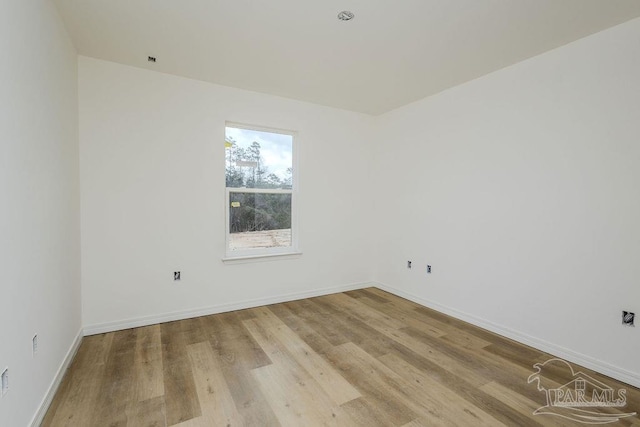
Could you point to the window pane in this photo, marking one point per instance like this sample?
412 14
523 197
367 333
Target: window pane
257 159
259 220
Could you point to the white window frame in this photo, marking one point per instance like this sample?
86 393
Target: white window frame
256 253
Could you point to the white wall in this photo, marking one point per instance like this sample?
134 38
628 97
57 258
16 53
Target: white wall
521 189
39 195
152 191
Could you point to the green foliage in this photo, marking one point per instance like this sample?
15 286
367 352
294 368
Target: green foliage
260 211
245 168
255 211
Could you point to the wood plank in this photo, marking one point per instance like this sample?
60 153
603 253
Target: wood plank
399 301
426 347
383 388
285 347
409 318
303 329
516 353
354 329
430 326
319 319
297 399
463 388
371 411
416 423
363 312
238 354
520 403
303 354
232 341
367 294
148 363
201 421
479 362
216 401
116 383
461 331
147 413
451 324
180 396
442 404
74 401
471 365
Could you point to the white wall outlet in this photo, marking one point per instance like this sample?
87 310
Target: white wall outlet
408 264
428 269
176 276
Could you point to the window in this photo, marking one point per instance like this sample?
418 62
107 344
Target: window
260 191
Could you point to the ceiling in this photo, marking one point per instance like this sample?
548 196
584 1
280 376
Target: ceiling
392 53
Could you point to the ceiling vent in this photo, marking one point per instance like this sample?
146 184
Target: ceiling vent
345 15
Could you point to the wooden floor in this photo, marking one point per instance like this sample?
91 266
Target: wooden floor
360 358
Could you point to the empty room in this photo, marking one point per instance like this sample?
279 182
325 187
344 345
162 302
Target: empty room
294 213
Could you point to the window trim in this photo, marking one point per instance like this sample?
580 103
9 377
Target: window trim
256 254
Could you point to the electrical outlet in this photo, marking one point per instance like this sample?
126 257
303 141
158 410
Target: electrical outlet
176 275
5 381
628 318
34 345
408 264
428 269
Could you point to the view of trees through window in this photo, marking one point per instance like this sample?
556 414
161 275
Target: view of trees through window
259 181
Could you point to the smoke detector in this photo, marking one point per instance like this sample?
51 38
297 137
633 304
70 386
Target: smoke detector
345 15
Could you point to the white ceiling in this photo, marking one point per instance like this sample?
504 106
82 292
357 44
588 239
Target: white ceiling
393 52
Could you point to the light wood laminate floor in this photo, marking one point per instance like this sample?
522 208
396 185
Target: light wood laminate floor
360 358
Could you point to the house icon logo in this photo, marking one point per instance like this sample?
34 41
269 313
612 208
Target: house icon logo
583 399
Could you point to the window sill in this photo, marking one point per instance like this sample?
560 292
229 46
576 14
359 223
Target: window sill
261 258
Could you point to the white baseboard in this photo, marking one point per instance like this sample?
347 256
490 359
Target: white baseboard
222 308
628 377
44 405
